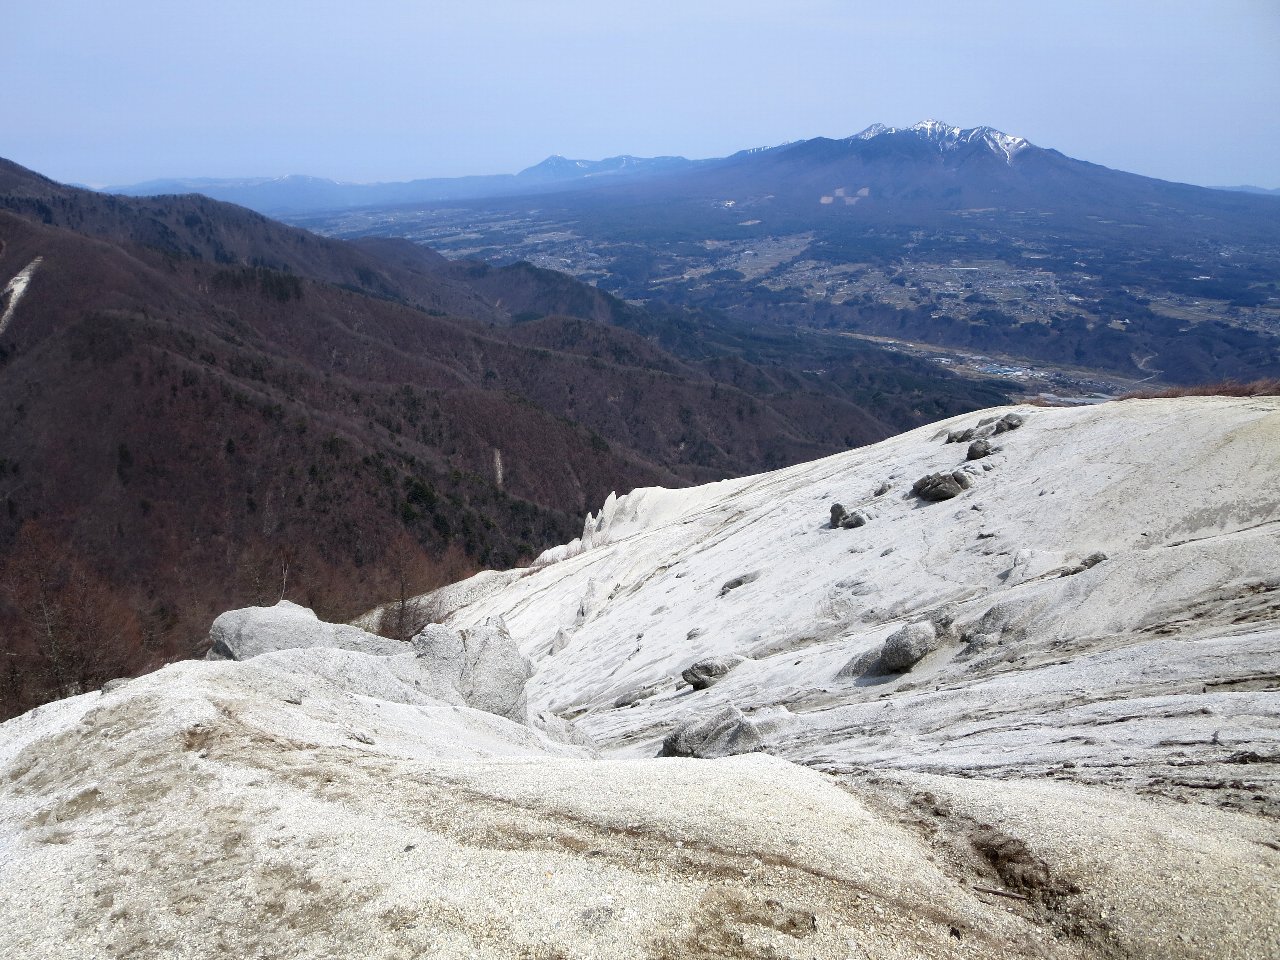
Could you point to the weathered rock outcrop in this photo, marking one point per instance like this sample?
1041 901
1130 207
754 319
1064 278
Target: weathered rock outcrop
724 733
482 663
253 631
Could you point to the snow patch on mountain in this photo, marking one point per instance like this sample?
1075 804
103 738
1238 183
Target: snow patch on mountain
15 289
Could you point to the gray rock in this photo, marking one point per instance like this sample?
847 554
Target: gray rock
985 429
884 488
938 486
706 673
904 649
1010 421
482 664
737 582
725 733
837 515
979 449
858 518
253 631
1090 561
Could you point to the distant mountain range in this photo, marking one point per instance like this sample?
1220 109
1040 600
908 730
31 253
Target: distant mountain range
1245 188
964 238
300 194
304 194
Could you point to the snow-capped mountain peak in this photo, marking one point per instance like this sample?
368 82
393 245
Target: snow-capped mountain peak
947 137
937 130
873 131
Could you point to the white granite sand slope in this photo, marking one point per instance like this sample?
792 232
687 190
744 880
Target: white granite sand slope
952 731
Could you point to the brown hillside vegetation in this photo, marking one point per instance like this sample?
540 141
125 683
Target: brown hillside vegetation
1225 388
201 409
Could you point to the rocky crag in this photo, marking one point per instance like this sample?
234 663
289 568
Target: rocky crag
1027 703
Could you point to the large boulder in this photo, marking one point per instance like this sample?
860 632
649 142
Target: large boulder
942 486
483 664
253 631
905 648
725 733
710 671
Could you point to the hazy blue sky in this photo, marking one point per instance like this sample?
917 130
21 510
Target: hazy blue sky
119 92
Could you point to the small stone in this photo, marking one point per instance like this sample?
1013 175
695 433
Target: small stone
736 582
837 515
